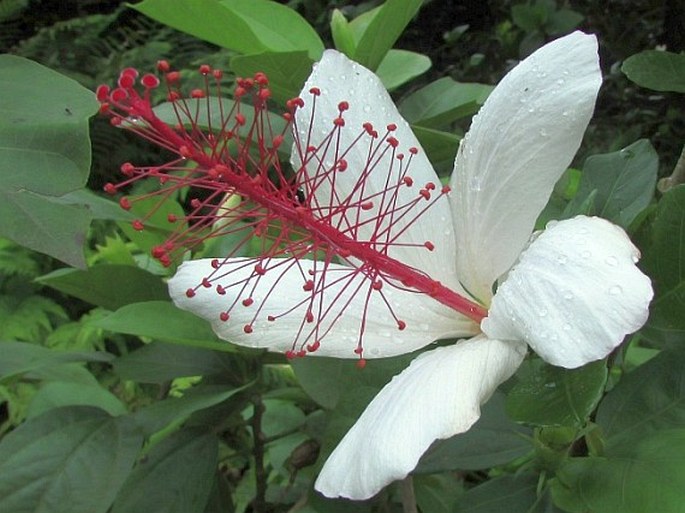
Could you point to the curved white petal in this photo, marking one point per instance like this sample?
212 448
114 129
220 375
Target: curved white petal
518 146
574 295
437 396
337 313
340 79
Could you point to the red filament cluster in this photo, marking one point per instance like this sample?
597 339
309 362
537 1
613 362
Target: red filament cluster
227 157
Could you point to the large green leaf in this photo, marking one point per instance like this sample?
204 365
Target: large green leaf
175 476
109 286
44 154
60 393
513 494
385 28
622 182
68 459
162 320
246 26
493 440
664 261
648 399
658 70
553 396
443 101
440 147
645 475
400 66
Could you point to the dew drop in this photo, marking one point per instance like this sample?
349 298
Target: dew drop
583 230
586 254
611 261
568 295
616 290
542 313
560 81
476 183
543 132
367 108
562 259
566 327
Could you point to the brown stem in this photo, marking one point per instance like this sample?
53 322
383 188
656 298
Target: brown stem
408 497
677 177
259 503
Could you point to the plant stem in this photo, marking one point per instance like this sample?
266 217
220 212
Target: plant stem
408 497
677 177
259 503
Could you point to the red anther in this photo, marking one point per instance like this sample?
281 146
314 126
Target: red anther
294 103
343 106
247 301
308 285
446 189
367 205
342 165
149 81
290 355
311 149
377 285
313 347
301 353
270 318
215 263
408 181
127 169
391 127
361 363
173 96
205 69
163 66
115 121
102 92
315 91
339 122
118 95
400 156
130 72
125 203
259 269
240 119
413 150
247 328
172 77
430 186
344 252
261 78
223 316
165 260
171 218
138 225
190 293
239 92
212 173
368 127
429 245
158 252
197 93
126 81
110 188
425 193
218 74
220 290
401 324
277 141
309 316
206 283
185 152
105 108
264 94
393 142
247 83
358 350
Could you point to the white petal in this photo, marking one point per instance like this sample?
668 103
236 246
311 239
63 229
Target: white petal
518 146
341 79
575 293
437 396
280 293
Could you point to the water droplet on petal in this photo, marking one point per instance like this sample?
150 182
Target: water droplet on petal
611 261
568 295
586 254
562 259
566 327
542 313
616 290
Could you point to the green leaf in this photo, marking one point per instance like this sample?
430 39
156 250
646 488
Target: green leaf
513 494
68 459
176 476
529 17
109 286
98 207
19 358
163 321
443 101
159 415
287 71
562 22
280 417
624 180
159 362
437 493
664 261
384 29
400 66
44 153
440 147
493 440
653 69
343 36
645 475
246 26
649 399
553 396
59 393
